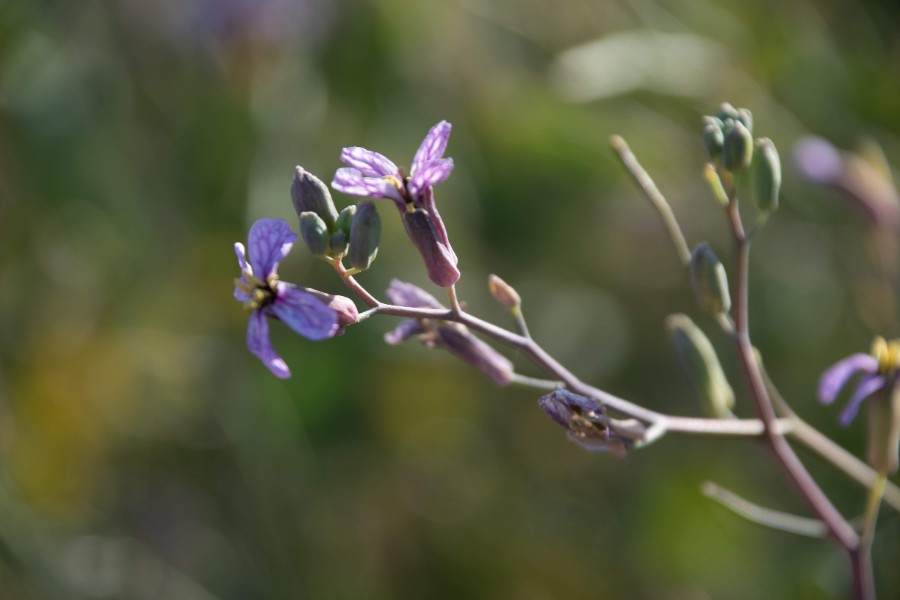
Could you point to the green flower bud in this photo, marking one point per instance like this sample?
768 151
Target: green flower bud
701 365
727 111
713 139
309 194
344 219
745 117
767 175
314 233
737 151
338 243
709 280
365 234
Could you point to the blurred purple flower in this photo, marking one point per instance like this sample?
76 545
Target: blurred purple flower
374 175
877 372
305 311
454 337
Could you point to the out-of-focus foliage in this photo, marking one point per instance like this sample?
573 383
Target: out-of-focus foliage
146 454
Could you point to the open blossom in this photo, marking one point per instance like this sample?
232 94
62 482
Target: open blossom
453 337
878 387
374 175
310 313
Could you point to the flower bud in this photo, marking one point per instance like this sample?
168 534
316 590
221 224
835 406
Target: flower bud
309 194
477 353
767 172
365 234
709 280
745 117
343 306
737 149
345 219
727 111
338 243
713 139
504 293
439 262
884 430
314 233
701 365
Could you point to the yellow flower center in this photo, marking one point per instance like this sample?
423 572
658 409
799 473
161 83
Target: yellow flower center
261 292
887 353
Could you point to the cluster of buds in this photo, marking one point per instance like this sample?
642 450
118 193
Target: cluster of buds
728 137
354 233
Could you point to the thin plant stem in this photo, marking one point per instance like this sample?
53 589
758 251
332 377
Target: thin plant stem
871 515
761 515
645 182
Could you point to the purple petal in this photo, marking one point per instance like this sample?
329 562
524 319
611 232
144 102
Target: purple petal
432 147
350 181
836 377
270 240
407 294
403 331
258 343
817 160
241 256
304 313
560 404
868 386
368 163
431 173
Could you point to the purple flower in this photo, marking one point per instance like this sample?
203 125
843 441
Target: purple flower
374 175
587 424
877 371
453 337
305 311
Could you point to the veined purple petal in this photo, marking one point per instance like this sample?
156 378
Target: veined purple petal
430 173
270 240
304 313
403 331
868 386
258 343
350 181
432 147
368 163
407 294
239 294
836 377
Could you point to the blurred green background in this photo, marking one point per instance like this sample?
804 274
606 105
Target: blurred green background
146 454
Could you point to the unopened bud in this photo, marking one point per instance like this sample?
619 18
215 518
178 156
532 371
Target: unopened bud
737 149
713 139
727 111
767 172
309 194
338 243
365 234
701 365
745 117
345 218
343 306
709 280
504 293
314 233
439 261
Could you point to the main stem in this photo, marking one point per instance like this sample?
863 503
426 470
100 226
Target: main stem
837 526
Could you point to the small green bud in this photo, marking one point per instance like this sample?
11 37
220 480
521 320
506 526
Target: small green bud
737 151
344 219
745 117
767 174
314 233
701 365
713 139
709 280
727 111
365 234
309 194
338 243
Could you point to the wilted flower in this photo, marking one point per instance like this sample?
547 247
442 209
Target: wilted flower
587 423
878 384
312 314
373 174
454 337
